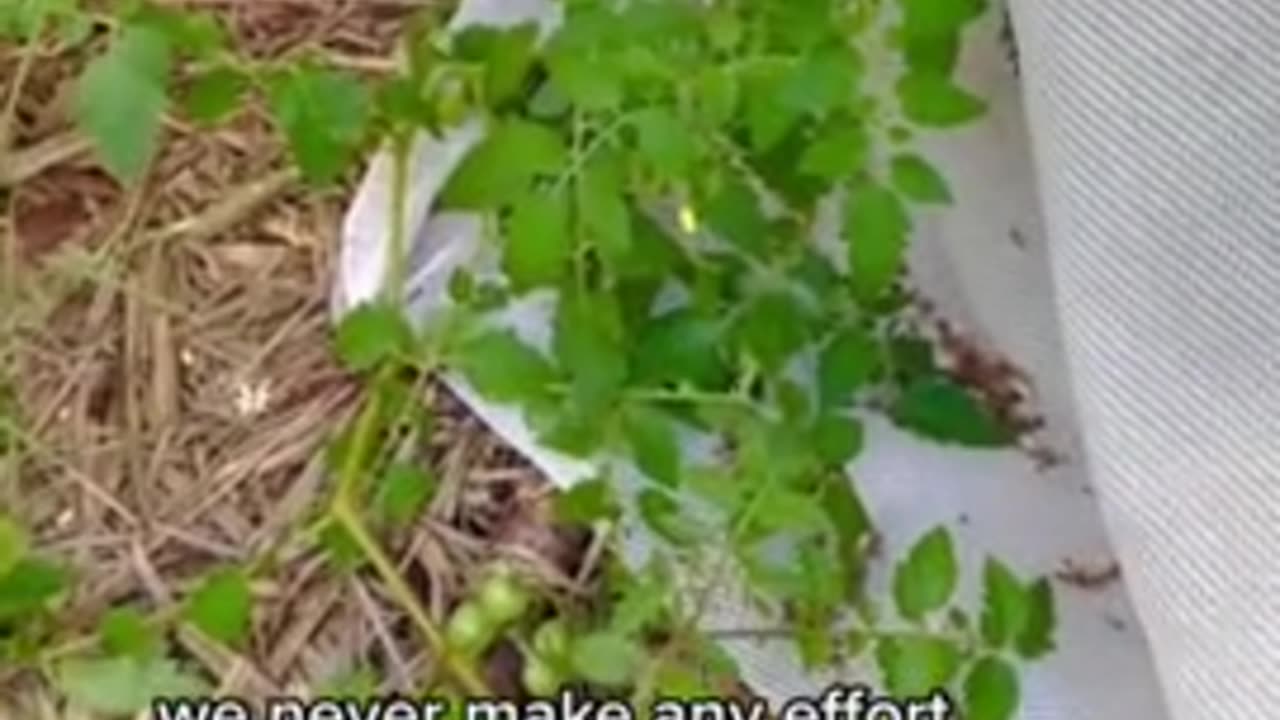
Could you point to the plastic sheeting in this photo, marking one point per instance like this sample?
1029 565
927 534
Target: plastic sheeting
986 262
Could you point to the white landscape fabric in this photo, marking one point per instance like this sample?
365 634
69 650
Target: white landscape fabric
1144 313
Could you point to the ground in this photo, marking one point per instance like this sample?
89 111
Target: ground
173 386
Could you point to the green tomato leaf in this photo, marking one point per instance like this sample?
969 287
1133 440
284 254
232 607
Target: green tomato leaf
931 100
839 150
918 180
121 99
124 631
931 53
875 229
1004 604
220 606
124 685
506 53
588 344
682 345
324 115
916 665
846 363
604 212
215 95
666 142
14 544
772 327
403 492
734 214
28 587
370 334
823 80
502 367
937 408
1036 636
933 17
651 436
718 94
606 658
837 439
591 80
991 690
539 247
925 579
499 168
586 502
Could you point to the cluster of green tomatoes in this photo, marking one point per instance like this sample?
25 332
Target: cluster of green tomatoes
500 603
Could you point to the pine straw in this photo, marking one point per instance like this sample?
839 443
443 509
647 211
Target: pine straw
172 358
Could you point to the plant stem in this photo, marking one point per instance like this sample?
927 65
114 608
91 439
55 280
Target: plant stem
344 511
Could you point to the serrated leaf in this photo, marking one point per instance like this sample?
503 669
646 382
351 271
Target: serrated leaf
837 439
717 94
539 247
504 368
193 33
606 658
506 53
788 510
324 115
845 364
28 587
121 98
681 346
735 215
824 79
220 606
772 327
991 690
666 142
916 665
588 345
839 150
604 212
214 95
586 502
1004 604
933 17
915 178
875 231
932 100
1035 639
592 81
937 408
931 53
925 579
14 544
651 435
124 685
403 492
371 334
124 631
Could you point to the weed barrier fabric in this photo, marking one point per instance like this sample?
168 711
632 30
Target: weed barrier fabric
1130 308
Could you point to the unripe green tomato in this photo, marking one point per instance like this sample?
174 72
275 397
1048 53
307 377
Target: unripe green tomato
503 599
551 639
469 628
538 678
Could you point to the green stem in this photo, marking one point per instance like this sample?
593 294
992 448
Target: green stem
344 511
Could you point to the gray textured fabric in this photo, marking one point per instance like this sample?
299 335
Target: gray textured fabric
1156 129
